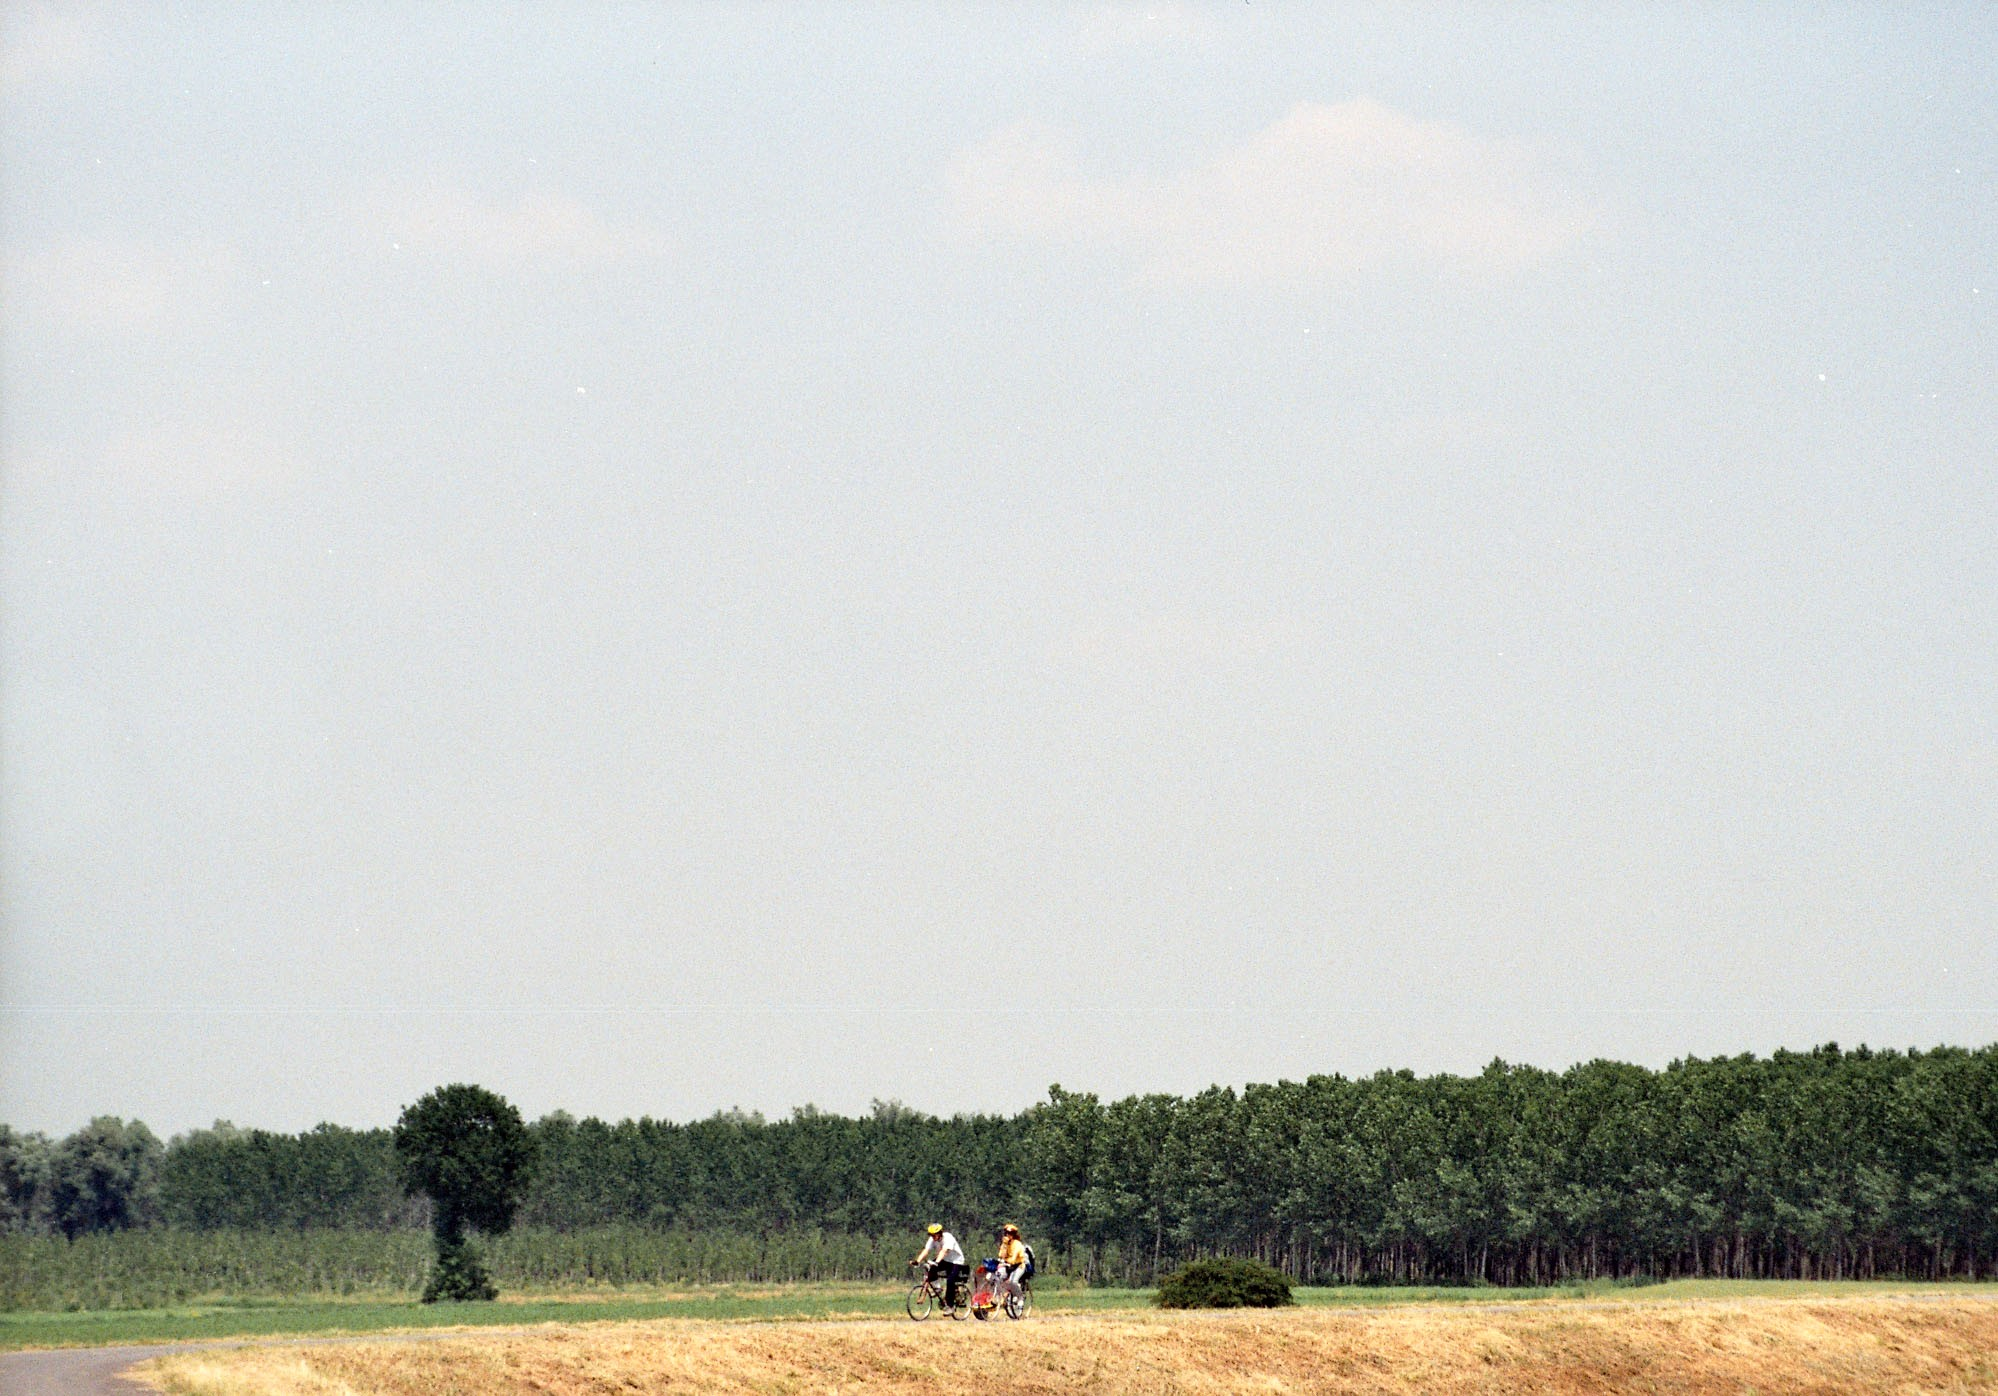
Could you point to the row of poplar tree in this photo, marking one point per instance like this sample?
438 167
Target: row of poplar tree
1818 1164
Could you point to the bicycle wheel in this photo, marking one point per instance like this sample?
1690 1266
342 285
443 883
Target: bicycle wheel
921 1300
1017 1305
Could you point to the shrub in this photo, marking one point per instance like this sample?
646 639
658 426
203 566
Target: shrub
1224 1284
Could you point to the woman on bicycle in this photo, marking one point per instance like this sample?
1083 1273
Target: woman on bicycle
1012 1260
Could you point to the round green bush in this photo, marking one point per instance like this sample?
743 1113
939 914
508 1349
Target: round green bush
1224 1284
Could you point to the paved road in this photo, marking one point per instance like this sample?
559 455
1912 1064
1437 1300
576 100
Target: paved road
78 1371
99 1371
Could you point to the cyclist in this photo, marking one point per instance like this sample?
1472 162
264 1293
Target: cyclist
1012 1260
949 1257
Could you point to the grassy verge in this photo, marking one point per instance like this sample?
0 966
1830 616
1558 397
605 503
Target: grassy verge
227 1318
224 1318
1598 1290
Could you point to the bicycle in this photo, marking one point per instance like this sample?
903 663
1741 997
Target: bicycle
1017 1306
932 1294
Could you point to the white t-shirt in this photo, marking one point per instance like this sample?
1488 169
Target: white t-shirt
947 1248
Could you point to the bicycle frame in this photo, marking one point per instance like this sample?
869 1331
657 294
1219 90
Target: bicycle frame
930 1294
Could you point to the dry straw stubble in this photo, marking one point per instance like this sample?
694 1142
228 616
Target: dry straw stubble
1796 1346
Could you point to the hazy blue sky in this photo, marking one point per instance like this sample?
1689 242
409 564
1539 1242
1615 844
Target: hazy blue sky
662 557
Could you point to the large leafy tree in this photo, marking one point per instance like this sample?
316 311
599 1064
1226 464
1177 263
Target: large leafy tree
24 1180
104 1177
468 1151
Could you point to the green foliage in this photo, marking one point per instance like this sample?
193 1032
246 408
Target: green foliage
627 1255
735 1172
1224 1284
1824 1164
104 1177
157 1268
457 1277
226 1177
468 1151
25 1162
1805 1165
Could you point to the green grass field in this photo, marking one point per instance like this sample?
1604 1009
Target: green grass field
227 1318
263 1318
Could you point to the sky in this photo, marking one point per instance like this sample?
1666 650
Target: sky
667 558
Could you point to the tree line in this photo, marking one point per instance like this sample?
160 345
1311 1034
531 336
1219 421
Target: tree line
1817 1164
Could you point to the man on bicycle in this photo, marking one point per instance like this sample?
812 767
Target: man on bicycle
949 1258
1012 1260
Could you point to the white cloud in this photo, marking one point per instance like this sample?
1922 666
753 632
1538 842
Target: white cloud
539 227
1327 192
117 288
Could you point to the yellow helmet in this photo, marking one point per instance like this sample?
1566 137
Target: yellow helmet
1010 1229
936 1229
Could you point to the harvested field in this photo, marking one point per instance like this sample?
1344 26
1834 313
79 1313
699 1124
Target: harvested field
1841 1346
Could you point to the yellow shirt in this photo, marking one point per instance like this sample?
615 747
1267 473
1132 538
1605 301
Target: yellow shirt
1012 1253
